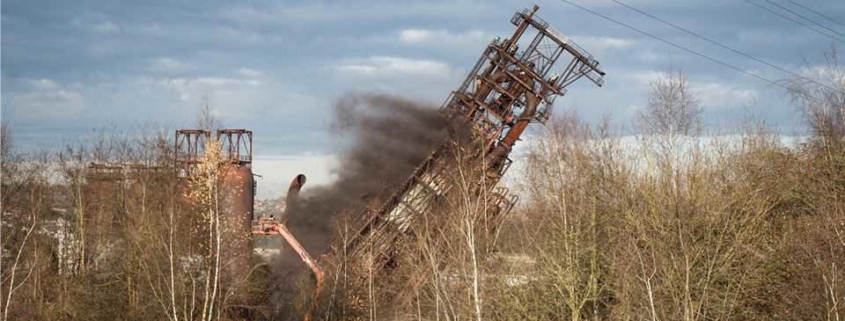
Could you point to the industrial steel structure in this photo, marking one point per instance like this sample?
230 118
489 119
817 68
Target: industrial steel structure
189 146
237 189
512 85
238 185
236 146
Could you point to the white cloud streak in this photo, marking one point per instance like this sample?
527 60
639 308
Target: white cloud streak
45 99
442 37
169 65
106 27
386 66
251 73
718 95
603 43
320 12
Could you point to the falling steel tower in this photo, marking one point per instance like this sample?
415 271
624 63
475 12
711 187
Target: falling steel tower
512 85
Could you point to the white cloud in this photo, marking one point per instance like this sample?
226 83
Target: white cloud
824 74
710 94
600 46
321 12
150 29
106 27
715 95
183 83
642 79
659 3
43 83
193 89
602 43
616 42
247 36
168 65
235 99
96 24
385 66
44 98
221 82
251 73
650 56
442 37
635 108
416 35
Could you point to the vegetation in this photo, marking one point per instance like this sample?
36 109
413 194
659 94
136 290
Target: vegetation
666 225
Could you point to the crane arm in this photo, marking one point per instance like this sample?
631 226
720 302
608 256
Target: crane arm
269 226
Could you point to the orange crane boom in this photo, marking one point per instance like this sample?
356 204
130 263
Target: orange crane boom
269 226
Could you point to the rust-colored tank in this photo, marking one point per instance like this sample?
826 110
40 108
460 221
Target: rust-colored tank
238 192
236 210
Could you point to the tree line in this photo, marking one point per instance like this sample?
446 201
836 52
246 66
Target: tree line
661 225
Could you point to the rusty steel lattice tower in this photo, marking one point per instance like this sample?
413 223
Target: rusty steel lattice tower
236 145
189 146
238 185
512 85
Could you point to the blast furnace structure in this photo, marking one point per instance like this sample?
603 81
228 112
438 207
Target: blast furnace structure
512 85
237 183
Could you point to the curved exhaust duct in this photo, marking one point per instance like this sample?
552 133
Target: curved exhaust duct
293 194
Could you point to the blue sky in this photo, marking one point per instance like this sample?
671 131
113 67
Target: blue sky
277 67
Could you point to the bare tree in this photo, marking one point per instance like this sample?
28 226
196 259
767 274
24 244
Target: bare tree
5 147
205 116
73 165
205 191
564 220
672 107
21 220
5 138
821 93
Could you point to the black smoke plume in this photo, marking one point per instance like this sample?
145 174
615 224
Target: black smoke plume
387 138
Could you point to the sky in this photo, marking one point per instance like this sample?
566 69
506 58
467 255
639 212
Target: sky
278 67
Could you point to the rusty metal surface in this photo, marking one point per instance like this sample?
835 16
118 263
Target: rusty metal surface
237 182
189 146
237 193
293 195
507 89
236 145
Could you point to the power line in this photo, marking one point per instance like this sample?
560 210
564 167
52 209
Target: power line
725 64
747 55
795 21
816 12
803 17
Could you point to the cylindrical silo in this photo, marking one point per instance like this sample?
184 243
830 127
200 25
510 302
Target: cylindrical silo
236 210
238 194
